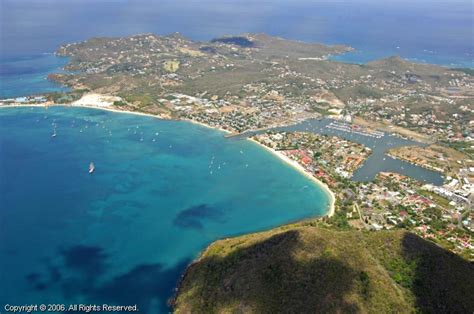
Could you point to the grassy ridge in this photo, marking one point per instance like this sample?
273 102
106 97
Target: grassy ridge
303 268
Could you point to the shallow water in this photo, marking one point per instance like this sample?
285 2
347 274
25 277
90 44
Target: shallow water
161 191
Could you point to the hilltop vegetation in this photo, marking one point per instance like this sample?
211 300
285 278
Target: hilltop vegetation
307 268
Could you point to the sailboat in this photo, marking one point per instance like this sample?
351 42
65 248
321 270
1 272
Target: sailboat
54 131
91 167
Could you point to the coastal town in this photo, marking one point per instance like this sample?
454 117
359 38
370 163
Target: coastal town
256 82
442 214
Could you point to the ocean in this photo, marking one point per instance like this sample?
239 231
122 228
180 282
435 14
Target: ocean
433 31
160 193
28 75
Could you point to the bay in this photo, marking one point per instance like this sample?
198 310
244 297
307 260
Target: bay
160 193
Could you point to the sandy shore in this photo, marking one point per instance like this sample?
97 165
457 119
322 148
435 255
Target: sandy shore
109 108
281 156
97 100
299 168
26 105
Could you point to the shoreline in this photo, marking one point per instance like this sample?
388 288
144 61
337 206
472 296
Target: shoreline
279 155
424 166
108 108
300 169
156 116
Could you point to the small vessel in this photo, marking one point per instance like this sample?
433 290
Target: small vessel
91 167
54 132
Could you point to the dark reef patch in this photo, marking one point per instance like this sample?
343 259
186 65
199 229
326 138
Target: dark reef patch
35 281
54 274
143 285
84 273
33 277
88 260
192 217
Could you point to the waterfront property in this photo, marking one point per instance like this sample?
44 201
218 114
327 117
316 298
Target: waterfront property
379 144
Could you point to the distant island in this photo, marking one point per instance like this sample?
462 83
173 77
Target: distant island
419 255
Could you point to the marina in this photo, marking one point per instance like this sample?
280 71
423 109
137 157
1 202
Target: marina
379 142
355 129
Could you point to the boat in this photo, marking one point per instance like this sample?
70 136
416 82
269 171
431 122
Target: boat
91 167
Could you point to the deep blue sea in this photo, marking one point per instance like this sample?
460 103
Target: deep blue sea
161 191
27 75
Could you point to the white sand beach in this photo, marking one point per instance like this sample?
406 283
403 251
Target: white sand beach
96 100
299 168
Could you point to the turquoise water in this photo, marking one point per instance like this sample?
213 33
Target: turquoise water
22 76
161 191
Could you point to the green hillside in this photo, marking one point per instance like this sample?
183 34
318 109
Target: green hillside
308 268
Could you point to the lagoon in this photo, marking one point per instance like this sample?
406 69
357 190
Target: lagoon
378 160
